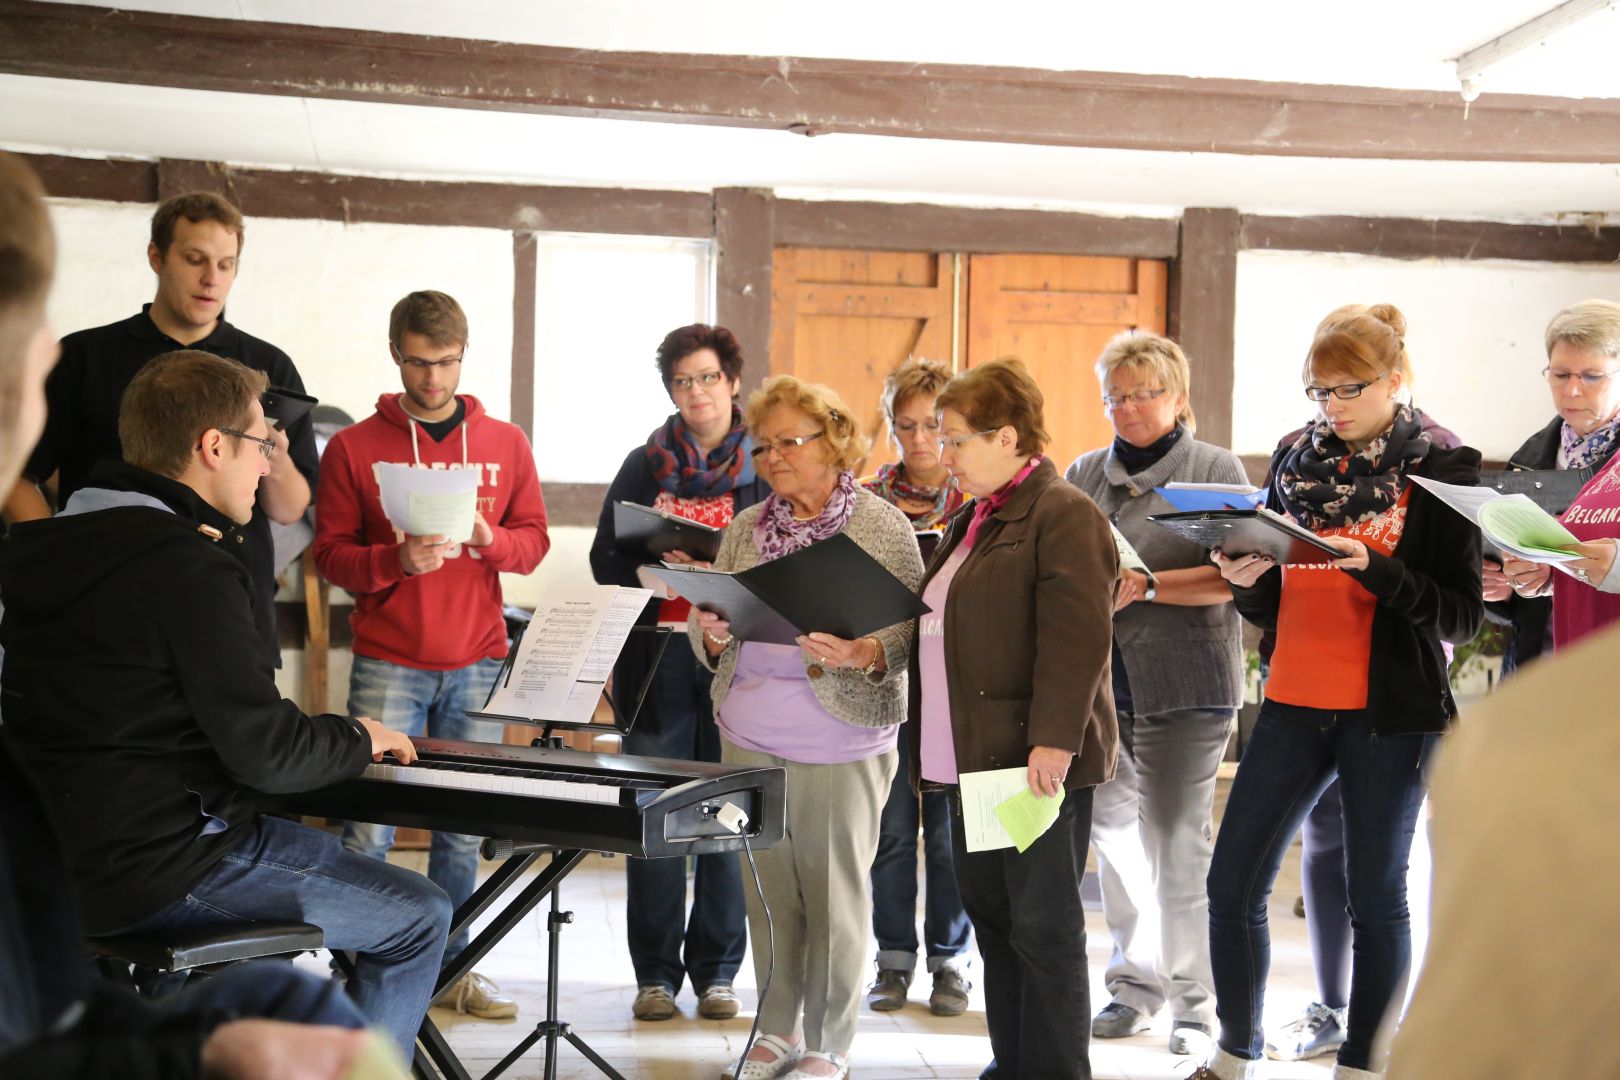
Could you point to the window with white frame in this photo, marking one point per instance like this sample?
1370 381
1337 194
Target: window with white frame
602 305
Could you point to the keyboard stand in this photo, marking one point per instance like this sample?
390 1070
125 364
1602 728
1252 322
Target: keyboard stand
551 1028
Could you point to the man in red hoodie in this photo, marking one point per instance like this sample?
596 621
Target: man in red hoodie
429 635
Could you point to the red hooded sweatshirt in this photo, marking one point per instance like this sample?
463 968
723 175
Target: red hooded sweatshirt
449 618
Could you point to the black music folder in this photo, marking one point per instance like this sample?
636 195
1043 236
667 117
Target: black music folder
1551 489
1249 532
283 407
832 587
650 532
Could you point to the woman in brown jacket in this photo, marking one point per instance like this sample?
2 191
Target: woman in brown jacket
1011 670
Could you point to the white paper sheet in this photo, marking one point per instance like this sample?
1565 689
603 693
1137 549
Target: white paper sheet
981 793
430 502
1128 558
617 622
567 653
1502 516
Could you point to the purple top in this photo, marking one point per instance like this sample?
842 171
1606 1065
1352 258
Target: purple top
938 755
771 708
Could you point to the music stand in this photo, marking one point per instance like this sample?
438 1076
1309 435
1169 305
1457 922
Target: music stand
515 859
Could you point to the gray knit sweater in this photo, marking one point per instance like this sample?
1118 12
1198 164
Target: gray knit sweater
1175 657
884 533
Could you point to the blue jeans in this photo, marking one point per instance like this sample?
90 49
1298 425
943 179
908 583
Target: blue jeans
894 878
667 945
395 919
435 704
1292 757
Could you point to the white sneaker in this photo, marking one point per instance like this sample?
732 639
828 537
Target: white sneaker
1316 1031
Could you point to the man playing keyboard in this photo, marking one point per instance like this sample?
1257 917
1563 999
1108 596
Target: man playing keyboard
135 684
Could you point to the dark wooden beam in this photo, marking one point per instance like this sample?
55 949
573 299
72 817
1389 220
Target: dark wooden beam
928 227
525 274
811 97
744 240
516 207
106 179
572 504
1409 238
1206 300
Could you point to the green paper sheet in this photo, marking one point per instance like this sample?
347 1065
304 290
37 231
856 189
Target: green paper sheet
1027 816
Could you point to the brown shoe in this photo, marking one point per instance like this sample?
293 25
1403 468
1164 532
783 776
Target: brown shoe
718 1001
888 991
950 995
476 995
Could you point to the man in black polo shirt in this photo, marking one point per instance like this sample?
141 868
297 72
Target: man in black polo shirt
195 248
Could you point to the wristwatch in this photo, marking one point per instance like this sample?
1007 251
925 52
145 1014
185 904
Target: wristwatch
1152 592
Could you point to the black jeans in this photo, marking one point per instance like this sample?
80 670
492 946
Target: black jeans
1031 929
668 945
1292 757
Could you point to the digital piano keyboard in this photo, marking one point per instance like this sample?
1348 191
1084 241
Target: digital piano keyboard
643 806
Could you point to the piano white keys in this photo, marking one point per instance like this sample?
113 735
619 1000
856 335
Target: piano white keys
494 783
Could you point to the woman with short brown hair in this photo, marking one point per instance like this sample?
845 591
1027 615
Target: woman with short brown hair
1010 670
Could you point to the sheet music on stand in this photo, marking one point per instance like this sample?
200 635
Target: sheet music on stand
559 668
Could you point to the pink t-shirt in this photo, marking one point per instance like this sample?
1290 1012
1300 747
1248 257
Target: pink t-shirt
1578 608
938 755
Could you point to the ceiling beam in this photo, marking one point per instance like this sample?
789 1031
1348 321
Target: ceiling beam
940 101
1413 238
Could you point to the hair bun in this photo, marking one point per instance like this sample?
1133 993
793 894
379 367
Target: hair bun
1390 316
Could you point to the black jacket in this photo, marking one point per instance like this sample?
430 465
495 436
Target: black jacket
1428 591
612 565
58 1022
1530 616
81 427
135 687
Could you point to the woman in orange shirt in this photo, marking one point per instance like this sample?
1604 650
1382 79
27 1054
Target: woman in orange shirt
1358 685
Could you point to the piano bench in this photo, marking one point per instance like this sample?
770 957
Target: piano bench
204 949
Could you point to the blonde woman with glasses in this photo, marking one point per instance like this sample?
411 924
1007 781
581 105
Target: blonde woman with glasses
1151 823
827 711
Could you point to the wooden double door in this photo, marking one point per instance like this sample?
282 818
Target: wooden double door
848 318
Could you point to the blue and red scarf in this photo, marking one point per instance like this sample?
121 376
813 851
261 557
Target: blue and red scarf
683 470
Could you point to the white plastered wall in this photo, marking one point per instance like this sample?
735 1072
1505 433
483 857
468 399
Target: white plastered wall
1474 331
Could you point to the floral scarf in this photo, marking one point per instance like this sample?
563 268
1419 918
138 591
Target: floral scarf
1588 451
992 503
682 469
889 486
1323 485
777 532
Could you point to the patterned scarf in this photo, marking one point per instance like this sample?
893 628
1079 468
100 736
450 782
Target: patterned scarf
777 532
1003 494
1323 485
1589 451
682 469
888 486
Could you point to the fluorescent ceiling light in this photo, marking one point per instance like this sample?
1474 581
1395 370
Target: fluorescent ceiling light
1475 65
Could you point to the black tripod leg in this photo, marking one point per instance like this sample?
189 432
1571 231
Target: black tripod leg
595 1059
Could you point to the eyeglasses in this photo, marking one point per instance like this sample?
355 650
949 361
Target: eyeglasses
267 447
785 447
1135 397
417 364
906 429
1591 380
705 379
1344 391
955 441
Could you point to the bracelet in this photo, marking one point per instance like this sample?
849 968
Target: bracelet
877 654
722 644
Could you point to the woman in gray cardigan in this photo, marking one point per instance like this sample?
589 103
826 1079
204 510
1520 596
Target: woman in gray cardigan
826 711
1178 680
